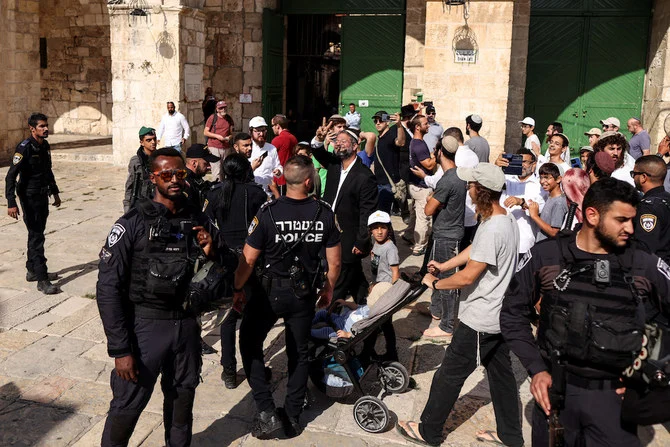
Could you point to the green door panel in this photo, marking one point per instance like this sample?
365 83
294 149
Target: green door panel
273 63
343 6
372 64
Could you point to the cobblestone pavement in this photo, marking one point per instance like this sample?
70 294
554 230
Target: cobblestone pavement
54 369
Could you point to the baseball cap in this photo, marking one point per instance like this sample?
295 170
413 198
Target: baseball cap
488 175
201 151
611 121
610 133
528 120
476 118
585 148
594 131
379 114
379 217
257 121
430 109
450 144
146 130
221 104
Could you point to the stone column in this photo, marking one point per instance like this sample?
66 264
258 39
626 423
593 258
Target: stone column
155 59
656 103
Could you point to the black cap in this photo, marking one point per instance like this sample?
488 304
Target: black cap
430 109
379 114
201 151
407 111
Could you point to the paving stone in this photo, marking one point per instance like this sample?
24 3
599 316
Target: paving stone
147 424
43 357
83 369
92 330
47 390
26 423
70 323
7 293
98 352
21 299
38 323
70 306
14 340
11 387
31 310
88 398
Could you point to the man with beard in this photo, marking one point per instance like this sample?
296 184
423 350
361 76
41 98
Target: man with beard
173 130
351 190
198 159
435 130
145 269
592 284
652 222
138 170
269 167
615 145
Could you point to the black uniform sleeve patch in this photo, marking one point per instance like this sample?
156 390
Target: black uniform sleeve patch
648 222
105 255
115 234
253 225
17 158
525 260
663 267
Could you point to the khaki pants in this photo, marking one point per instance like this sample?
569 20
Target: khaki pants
419 224
216 167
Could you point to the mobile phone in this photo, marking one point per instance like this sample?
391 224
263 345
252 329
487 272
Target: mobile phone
264 154
575 163
515 164
385 117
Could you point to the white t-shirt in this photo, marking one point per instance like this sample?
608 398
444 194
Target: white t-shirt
172 129
263 174
496 244
623 174
529 143
528 190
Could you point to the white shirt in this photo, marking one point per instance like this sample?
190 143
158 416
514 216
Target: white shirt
562 166
172 129
263 174
623 174
466 157
343 176
353 119
527 190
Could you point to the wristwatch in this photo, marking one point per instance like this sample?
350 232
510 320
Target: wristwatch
435 284
237 290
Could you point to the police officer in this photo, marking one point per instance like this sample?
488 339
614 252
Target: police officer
138 185
292 232
198 159
31 164
652 222
594 285
145 268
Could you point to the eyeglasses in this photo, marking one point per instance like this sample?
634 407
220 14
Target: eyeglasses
167 174
634 173
261 130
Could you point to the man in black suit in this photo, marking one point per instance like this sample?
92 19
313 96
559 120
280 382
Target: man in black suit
351 189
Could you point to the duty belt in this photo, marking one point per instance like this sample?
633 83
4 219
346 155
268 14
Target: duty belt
160 314
269 282
593 384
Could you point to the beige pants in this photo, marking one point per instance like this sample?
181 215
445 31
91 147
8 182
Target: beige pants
419 224
216 167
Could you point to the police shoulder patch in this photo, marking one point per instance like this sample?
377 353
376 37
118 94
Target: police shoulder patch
204 205
663 267
648 222
17 158
115 234
253 225
105 255
525 260
337 224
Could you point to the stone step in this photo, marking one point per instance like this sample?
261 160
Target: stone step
71 141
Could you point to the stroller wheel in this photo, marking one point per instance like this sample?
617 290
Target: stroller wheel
371 414
394 377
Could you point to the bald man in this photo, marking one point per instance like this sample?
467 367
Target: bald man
640 142
652 222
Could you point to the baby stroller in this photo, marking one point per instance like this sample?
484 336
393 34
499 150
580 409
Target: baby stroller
370 412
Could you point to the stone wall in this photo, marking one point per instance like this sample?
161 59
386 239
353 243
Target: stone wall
517 74
458 89
19 71
415 39
76 84
656 104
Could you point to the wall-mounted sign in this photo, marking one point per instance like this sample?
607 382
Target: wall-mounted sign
245 98
465 56
362 103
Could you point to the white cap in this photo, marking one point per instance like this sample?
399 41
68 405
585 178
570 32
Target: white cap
612 121
476 118
257 121
488 175
528 120
379 217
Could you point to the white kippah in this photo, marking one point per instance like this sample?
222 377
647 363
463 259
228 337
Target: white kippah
476 119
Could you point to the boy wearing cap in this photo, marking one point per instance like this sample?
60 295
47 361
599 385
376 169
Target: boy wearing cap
473 124
218 130
138 170
584 152
610 124
490 263
532 140
384 257
594 135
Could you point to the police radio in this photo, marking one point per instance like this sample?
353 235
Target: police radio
299 280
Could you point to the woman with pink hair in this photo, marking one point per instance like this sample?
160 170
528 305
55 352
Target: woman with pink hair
575 184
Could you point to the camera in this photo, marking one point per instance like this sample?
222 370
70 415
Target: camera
299 280
160 230
601 271
385 117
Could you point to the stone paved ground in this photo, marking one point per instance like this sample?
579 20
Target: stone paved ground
54 370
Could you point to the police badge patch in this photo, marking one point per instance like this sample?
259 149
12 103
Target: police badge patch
526 258
254 224
115 235
17 158
648 222
663 268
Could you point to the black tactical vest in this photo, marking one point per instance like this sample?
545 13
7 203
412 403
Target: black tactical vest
592 324
162 271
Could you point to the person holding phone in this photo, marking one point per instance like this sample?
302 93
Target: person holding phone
325 136
263 154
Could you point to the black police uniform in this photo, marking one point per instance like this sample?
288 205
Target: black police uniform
594 327
31 164
245 201
144 274
652 222
287 220
196 189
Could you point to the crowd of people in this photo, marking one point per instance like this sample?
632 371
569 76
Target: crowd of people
560 260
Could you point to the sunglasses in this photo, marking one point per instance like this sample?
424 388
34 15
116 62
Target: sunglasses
167 174
634 173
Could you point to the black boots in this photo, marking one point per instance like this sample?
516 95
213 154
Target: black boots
32 277
47 288
229 377
266 425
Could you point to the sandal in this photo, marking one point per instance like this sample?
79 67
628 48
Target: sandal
437 339
411 436
491 437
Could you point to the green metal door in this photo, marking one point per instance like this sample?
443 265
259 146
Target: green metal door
273 63
371 67
586 62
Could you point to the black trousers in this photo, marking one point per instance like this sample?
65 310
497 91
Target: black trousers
228 334
35 209
171 348
352 282
261 313
590 418
460 360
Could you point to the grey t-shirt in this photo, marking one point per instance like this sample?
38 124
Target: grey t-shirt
638 142
383 257
481 147
450 192
496 243
553 213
